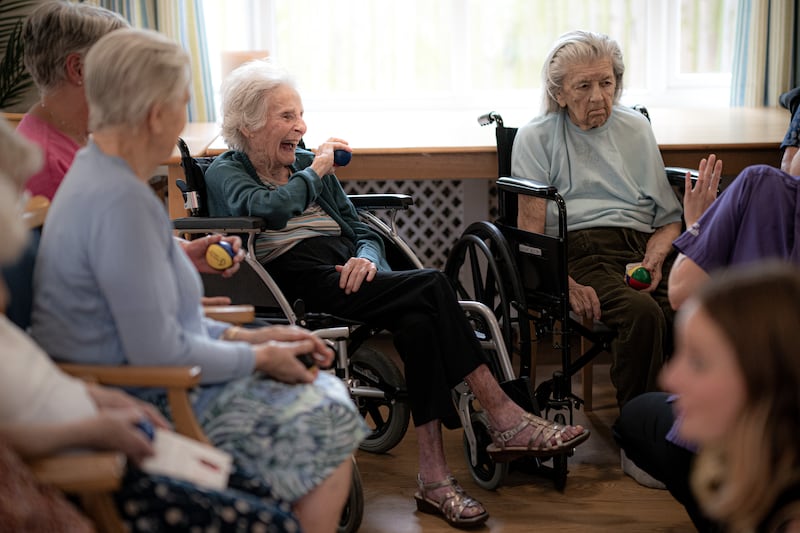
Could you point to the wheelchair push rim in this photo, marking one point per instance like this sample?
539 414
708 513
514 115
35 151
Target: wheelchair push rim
481 268
387 416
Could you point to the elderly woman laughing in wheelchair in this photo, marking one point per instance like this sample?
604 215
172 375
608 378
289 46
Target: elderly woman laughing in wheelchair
604 160
318 250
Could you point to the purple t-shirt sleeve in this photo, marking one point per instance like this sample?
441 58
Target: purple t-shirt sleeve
710 240
754 219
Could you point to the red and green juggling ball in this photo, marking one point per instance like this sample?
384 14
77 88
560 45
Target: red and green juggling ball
638 277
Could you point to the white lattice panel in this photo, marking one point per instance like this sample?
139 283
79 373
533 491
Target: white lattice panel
433 223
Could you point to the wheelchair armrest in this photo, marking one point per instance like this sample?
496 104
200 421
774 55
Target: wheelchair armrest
526 186
232 314
677 175
220 224
381 201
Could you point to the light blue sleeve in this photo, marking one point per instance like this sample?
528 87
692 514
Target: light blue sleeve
151 288
532 152
215 328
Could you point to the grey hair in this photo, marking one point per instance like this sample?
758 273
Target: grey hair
55 30
19 159
245 99
128 72
573 48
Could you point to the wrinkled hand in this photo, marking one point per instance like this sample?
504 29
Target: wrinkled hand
290 334
196 250
583 300
116 430
788 159
278 360
110 398
354 272
696 200
210 301
323 156
654 264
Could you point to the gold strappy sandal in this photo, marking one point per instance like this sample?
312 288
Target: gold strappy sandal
544 431
452 505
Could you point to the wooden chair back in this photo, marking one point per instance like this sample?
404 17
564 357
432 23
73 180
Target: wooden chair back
12 118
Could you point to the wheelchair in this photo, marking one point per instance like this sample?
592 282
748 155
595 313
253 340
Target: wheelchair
523 278
375 383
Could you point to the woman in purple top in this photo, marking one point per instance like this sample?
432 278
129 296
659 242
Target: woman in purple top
757 218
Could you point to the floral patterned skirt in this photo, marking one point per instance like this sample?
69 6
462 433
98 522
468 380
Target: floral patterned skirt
293 436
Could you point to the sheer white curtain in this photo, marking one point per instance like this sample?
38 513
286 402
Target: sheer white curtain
765 37
182 21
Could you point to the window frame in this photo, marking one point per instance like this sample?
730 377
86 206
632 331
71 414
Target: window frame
663 86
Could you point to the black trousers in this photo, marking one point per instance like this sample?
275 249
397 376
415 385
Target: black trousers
419 307
641 430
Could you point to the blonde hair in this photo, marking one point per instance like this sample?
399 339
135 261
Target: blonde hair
758 310
245 99
55 30
573 48
129 71
19 159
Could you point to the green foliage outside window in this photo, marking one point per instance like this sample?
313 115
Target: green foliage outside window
15 81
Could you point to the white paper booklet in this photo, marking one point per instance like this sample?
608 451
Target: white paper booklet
184 458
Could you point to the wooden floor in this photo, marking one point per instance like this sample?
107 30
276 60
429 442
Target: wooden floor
598 496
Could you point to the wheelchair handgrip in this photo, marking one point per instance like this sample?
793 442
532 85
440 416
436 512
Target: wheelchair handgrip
677 175
220 224
526 186
381 201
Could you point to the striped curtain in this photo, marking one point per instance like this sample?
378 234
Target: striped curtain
182 21
795 81
763 55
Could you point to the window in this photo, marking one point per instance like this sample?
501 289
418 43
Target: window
475 54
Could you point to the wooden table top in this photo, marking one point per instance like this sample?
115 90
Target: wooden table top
448 132
198 137
452 145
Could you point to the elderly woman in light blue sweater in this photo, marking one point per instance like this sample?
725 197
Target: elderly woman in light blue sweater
604 160
113 287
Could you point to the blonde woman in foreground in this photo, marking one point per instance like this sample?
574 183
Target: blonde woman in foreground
736 373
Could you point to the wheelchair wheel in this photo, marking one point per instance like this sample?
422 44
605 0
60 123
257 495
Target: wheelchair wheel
482 260
486 473
560 461
353 511
387 417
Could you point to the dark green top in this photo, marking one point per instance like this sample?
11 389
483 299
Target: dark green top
234 189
